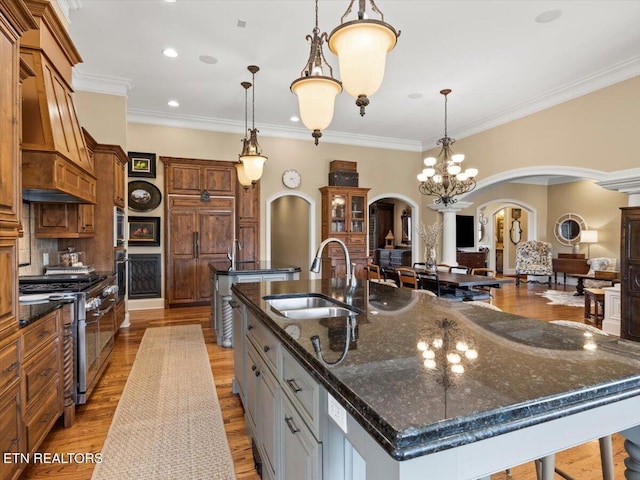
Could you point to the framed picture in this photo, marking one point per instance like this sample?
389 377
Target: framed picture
143 196
142 164
144 231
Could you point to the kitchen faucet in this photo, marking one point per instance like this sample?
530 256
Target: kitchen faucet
231 255
349 267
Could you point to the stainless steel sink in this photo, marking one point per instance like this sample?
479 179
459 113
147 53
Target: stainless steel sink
319 312
307 307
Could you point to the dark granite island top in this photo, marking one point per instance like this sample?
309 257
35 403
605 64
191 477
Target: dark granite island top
520 375
251 267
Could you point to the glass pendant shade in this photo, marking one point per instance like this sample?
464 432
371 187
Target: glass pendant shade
242 177
361 47
316 97
253 166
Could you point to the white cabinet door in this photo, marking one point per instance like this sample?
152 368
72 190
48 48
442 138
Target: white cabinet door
301 453
269 406
239 349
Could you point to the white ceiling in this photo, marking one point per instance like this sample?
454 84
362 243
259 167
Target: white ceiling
500 63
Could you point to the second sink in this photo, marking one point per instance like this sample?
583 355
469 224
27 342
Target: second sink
307 307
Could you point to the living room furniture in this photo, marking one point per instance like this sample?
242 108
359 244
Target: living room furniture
393 258
533 257
472 259
569 263
630 269
344 216
607 269
594 305
602 277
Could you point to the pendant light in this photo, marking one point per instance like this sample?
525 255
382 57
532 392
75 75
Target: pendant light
251 155
361 46
242 177
316 88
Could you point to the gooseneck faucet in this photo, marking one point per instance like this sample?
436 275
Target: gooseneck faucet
349 267
231 255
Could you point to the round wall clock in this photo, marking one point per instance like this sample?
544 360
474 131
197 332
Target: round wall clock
291 178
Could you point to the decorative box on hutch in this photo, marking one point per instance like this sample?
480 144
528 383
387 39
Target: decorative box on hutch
343 173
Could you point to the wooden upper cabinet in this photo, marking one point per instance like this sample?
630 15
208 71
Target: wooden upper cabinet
194 177
64 220
15 19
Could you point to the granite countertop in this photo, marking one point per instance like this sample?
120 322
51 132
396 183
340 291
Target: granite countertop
249 267
526 371
32 312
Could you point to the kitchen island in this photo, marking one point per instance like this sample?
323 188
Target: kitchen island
222 275
394 410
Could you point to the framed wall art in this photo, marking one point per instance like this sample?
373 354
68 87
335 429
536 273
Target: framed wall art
142 164
143 196
144 231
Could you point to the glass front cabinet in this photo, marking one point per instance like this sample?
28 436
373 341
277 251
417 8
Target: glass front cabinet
344 216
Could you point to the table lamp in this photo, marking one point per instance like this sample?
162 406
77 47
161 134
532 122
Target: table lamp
589 237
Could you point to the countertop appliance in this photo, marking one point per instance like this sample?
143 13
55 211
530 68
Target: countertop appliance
94 320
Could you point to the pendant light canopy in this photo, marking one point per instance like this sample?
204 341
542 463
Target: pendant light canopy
316 88
251 155
361 46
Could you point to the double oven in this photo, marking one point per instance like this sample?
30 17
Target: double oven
94 325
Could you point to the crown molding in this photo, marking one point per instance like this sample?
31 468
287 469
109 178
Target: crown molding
67 5
100 83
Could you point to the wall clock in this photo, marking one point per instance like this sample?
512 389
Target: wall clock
291 178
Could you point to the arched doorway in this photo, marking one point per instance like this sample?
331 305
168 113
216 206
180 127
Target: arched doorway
400 213
290 230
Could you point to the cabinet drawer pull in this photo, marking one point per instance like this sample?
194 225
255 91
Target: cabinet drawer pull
47 417
45 373
292 426
294 386
249 327
257 373
234 304
253 368
11 367
266 348
44 333
14 442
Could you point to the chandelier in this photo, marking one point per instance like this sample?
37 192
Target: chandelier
316 91
443 177
251 156
242 177
361 46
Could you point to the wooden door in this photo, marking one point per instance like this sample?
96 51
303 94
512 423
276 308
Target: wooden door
181 260
630 274
215 235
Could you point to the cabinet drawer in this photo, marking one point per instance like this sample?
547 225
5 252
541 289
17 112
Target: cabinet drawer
41 332
265 342
10 430
302 390
43 418
9 363
357 241
41 371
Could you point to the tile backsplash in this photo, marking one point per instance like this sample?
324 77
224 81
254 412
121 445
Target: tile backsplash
32 249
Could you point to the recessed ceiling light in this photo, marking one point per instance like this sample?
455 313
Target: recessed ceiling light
548 16
208 59
242 23
415 95
295 118
170 1
173 103
170 52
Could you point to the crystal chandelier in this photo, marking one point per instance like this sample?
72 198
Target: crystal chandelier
316 88
251 156
361 46
443 177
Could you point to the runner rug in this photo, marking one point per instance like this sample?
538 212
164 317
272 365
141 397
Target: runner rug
558 297
168 423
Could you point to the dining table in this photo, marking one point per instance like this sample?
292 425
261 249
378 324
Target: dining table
467 281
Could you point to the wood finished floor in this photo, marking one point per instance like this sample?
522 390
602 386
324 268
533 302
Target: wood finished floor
93 419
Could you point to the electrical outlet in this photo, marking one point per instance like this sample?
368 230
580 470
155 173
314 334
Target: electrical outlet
337 412
45 259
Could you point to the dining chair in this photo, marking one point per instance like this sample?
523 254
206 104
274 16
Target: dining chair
375 274
443 267
483 290
459 269
408 278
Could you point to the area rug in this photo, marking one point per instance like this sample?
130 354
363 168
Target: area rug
168 424
558 297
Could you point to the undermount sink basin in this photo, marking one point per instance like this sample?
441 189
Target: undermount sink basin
319 312
307 307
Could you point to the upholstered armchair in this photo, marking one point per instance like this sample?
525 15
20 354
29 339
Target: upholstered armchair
533 257
601 264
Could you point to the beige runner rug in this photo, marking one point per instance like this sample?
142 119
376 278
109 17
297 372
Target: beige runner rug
168 423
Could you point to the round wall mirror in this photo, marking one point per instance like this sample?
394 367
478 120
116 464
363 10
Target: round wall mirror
568 228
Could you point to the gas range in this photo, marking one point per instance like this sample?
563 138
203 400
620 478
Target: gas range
34 284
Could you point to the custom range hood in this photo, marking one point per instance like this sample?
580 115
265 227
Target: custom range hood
56 166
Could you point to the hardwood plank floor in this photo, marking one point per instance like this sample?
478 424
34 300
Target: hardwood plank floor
93 419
